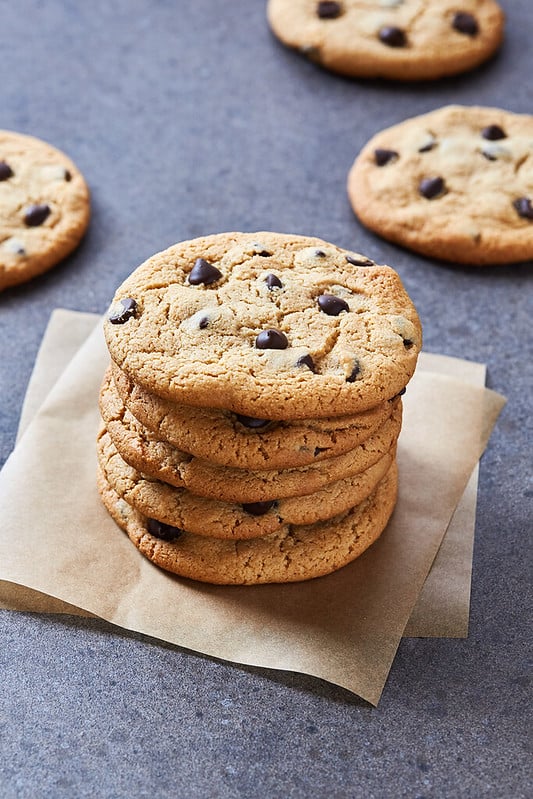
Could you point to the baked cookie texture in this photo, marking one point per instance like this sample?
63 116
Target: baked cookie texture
252 407
180 508
234 441
298 552
395 39
454 184
44 207
160 460
266 325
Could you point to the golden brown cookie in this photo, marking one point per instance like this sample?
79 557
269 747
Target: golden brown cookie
454 184
398 39
141 422
267 325
44 207
297 552
301 496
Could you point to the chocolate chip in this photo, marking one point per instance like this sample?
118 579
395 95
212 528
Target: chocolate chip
465 23
204 321
251 422
320 254
407 343
273 281
392 36
258 508
320 450
306 360
163 531
523 207
402 392
203 272
383 157
331 305
129 309
431 187
359 261
264 254
493 133
356 371
427 147
271 340
35 215
328 9
5 171
68 176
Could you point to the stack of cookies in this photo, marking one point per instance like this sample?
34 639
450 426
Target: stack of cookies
252 406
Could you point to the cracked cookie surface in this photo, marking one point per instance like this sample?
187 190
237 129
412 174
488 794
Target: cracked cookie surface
398 39
297 552
454 184
267 325
44 207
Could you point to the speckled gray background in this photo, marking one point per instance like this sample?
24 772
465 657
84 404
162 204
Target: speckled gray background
190 118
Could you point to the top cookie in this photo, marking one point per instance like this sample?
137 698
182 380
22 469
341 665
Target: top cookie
455 184
398 39
44 207
267 325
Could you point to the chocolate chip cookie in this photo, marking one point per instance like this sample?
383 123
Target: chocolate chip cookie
398 39
44 207
136 417
294 553
266 325
178 507
244 485
454 184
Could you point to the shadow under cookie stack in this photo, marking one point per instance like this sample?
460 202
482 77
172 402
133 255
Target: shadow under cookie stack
251 410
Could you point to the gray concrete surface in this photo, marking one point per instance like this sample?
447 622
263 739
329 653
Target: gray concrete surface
190 118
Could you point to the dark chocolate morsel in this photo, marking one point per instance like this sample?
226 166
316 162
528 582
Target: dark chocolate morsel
5 171
68 175
328 9
383 157
35 215
356 371
203 272
523 207
493 133
251 422
392 36
320 254
129 309
431 187
306 360
359 261
407 343
427 147
273 281
331 305
465 23
163 531
271 340
258 508
264 254
402 392
204 321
